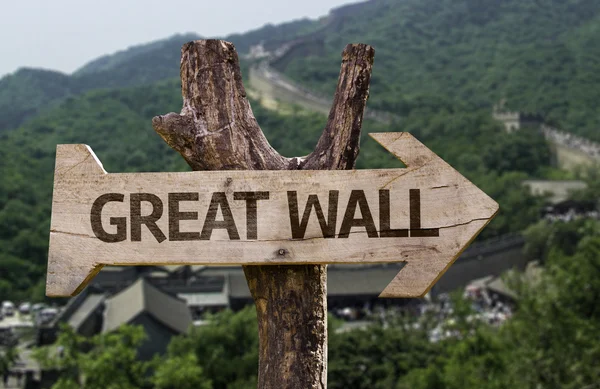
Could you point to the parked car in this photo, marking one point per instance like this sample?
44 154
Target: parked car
25 308
46 315
37 307
8 308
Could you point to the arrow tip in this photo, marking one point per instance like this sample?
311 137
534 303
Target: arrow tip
67 276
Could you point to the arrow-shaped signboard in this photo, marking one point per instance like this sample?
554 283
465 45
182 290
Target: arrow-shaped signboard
424 215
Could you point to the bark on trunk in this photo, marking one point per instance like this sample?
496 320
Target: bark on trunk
216 130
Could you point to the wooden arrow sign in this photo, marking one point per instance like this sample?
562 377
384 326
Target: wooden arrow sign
424 215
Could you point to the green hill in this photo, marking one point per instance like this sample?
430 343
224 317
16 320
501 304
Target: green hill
540 55
23 93
112 62
30 91
116 123
432 66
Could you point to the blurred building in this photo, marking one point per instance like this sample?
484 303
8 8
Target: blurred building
168 299
556 190
514 121
95 311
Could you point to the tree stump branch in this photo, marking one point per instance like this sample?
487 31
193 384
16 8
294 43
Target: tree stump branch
216 130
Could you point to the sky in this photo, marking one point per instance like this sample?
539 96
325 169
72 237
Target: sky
65 34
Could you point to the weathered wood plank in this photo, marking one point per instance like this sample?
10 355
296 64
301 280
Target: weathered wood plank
261 217
216 130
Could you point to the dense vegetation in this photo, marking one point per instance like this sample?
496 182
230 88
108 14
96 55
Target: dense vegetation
540 55
29 91
23 93
550 342
440 64
124 58
116 124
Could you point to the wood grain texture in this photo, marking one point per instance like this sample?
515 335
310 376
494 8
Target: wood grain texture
447 202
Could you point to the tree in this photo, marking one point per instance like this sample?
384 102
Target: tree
8 357
226 348
537 240
524 151
180 372
291 300
554 336
105 361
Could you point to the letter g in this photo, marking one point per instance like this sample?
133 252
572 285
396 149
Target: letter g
96 219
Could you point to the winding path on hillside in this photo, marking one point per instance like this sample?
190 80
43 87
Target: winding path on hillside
570 150
273 85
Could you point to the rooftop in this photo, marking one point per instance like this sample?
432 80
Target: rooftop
141 296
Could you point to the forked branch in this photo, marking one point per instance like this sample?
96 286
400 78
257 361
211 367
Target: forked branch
216 129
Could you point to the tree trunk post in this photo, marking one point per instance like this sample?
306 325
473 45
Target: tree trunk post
216 130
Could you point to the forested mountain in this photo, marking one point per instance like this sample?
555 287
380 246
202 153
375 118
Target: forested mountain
23 93
540 55
27 91
112 62
116 123
109 104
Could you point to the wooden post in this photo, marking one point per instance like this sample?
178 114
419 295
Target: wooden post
216 130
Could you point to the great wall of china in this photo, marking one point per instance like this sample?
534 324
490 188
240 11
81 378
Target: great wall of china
272 84
490 257
570 151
